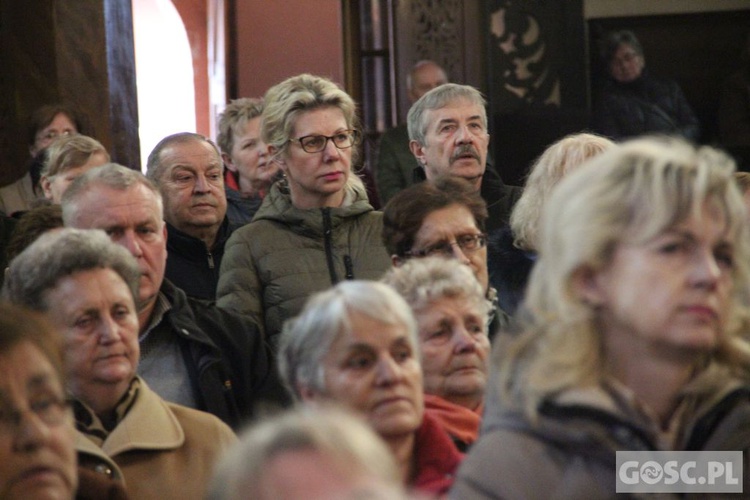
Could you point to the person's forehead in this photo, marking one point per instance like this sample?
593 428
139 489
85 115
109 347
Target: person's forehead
100 200
26 366
429 72
455 108
190 153
371 333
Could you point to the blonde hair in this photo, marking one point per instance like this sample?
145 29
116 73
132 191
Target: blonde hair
234 118
558 160
631 193
286 101
72 151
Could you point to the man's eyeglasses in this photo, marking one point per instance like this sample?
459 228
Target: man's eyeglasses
51 410
317 143
468 243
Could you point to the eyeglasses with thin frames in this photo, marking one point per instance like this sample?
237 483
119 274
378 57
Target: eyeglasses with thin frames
468 243
317 143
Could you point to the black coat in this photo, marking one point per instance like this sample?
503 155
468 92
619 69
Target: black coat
230 366
646 105
191 266
509 269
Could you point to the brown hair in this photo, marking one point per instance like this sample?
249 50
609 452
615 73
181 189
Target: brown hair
43 116
406 211
31 225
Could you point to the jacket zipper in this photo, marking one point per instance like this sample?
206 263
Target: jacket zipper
328 240
210 260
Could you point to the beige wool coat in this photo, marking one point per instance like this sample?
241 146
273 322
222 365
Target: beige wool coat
162 450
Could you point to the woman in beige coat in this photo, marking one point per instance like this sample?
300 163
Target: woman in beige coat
86 284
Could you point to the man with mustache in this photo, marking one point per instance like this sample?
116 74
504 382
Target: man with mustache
448 133
188 170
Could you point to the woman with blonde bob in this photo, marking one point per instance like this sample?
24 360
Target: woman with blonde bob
316 227
511 251
634 338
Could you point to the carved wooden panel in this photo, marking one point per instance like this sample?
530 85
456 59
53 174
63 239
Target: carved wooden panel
445 31
535 53
68 51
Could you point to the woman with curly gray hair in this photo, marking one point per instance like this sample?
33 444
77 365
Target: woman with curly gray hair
451 313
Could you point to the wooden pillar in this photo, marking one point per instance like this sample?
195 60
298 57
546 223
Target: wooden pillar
74 51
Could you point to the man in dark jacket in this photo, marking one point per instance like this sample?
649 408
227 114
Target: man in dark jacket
188 170
192 353
448 132
395 163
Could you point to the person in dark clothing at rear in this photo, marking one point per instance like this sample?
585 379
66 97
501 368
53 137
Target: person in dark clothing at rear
633 102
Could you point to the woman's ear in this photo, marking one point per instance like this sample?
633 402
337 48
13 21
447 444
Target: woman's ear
396 260
228 162
306 393
46 185
587 285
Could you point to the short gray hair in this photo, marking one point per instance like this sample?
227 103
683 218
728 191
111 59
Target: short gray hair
306 339
112 176
58 254
423 281
612 41
154 166
334 433
437 98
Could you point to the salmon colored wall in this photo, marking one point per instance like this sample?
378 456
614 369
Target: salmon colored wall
194 14
276 40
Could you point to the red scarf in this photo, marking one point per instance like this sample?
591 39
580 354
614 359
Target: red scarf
459 421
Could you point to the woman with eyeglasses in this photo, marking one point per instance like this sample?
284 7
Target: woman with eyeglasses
316 226
46 124
446 219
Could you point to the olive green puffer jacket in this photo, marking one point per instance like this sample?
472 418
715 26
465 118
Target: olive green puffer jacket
272 265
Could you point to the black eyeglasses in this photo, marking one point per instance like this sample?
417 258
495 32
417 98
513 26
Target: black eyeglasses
468 243
51 410
317 143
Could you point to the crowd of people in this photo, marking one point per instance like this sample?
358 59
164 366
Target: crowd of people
241 322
